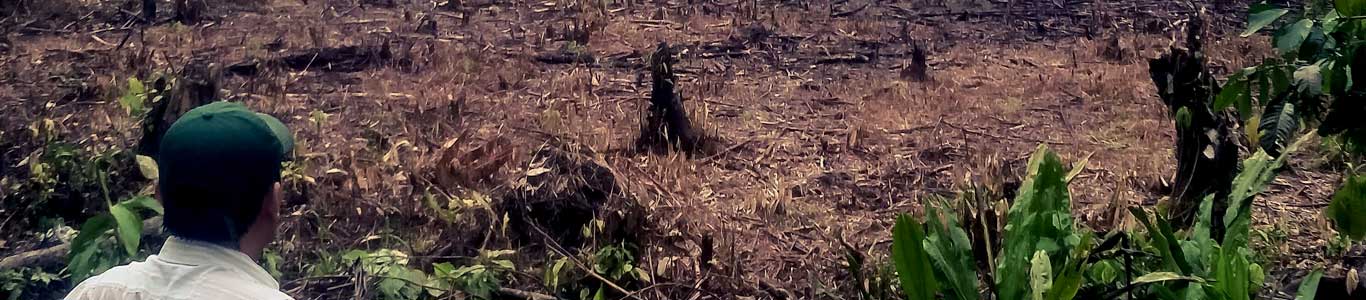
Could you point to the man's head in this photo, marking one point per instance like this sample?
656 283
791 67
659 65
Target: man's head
219 175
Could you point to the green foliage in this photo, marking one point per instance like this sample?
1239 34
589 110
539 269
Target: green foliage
15 281
480 280
133 97
1040 275
615 262
1278 125
1261 15
1070 279
1165 241
1310 286
90 253
912 263
1350 8
1236 92
1039 220
396 280
1348 208
950 253
1290 37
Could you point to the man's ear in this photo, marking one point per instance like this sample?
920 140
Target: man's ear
270 205
156 193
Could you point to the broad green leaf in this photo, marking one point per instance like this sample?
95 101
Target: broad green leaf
129 227
1236 92
1168 247
1289 38
1309 79
1261 15
1200 234
1039 219
143 202
1080 165
135 86
912 264
147 167
1310 286
86 244
1231 275
1104 272
1350 8
1164 276
1258 171
1040 275
1279 124
950 252
1348 208
1070 278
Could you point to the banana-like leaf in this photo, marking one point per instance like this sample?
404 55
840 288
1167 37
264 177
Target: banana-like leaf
129 227
1232 274
1164 276
1071 277
1040 275
912 265
1279 124
1039 220
1310 286
1163 238
1261 15
1348 209
1258 171
950 252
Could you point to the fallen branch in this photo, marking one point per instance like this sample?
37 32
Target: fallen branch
54 255
838 14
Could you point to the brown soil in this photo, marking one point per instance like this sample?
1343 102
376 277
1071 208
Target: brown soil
821 137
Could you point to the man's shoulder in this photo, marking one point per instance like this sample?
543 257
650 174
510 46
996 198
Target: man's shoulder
141 280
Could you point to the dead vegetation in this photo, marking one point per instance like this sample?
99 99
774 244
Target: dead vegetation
777 132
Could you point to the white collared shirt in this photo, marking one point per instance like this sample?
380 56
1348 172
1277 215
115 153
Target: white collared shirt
184 270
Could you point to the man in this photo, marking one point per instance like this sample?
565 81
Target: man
219 183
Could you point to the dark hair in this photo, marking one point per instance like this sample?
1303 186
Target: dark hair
218 208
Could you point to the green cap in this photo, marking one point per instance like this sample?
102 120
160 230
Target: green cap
219 151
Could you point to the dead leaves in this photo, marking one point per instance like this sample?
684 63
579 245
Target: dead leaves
462 165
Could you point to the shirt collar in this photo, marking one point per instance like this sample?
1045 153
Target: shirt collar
188 252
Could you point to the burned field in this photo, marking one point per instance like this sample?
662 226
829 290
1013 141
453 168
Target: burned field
727 149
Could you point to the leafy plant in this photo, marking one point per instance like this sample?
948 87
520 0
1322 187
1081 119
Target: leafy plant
90 253
1348 208
396 280
1043 257
908 252
480 279
1039 220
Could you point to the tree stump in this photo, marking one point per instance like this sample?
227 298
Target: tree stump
918 69
196 85
149 11
1206 140
189 11
666 126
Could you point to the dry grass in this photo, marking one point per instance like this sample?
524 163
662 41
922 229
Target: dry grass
811 154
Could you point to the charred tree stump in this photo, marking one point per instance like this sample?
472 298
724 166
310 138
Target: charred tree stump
149 11
917 70
1206 141
196 85
666 126
189 11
